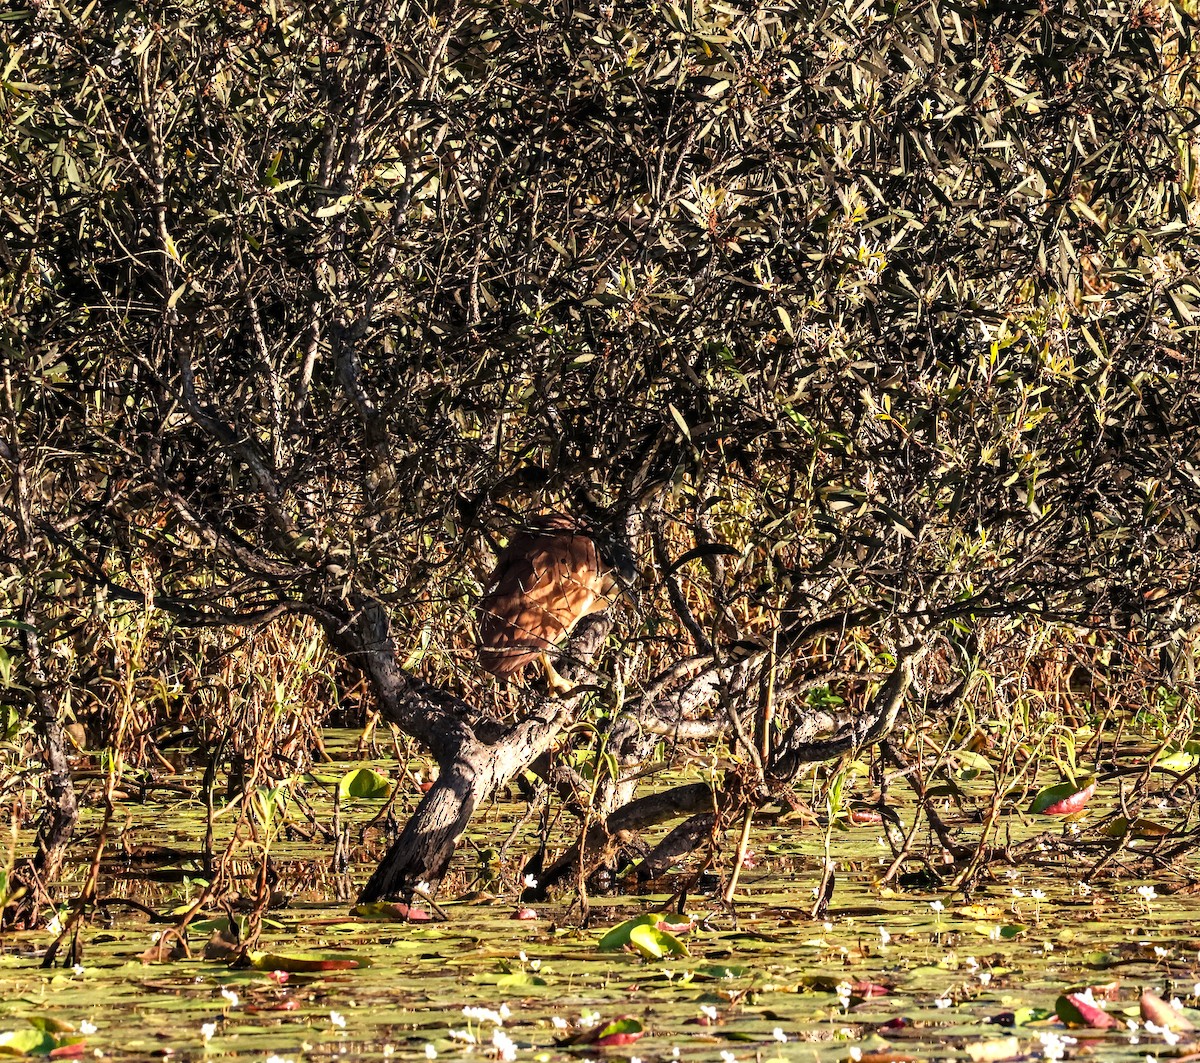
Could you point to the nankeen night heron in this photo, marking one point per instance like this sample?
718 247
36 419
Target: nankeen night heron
554 571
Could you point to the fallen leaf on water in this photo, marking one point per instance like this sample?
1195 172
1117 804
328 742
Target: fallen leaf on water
995 1050
887 1055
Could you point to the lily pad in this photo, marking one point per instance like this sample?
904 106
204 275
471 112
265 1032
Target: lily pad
654 944
365 783
1076 1011
1063 799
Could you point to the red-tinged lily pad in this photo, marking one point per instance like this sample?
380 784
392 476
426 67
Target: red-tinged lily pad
391 911
277 961
68 1051
622 1031
1064 799
1156 1010
861 817
1075 1010
867 990
676 928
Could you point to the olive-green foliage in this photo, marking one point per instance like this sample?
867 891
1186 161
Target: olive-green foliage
896 298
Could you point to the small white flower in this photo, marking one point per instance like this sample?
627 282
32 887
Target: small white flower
728 1057
503 1044
462 1035
985 977
588 1019
505 1014
943 1002
709 1012
558 1022
278 1059
86 1027
530 882
779 1035
937 906
207 1030
338 1019
1037 895
430 1051
855 1053
78 969
54 924
535 965
1054 1046
483 1015
1168 1035
389 1050
884 936
231 998
1147 893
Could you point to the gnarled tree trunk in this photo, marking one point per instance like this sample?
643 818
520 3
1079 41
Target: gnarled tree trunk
475 753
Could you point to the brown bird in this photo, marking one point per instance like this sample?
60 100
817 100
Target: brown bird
551 574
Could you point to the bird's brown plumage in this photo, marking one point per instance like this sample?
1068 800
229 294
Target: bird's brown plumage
546 579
